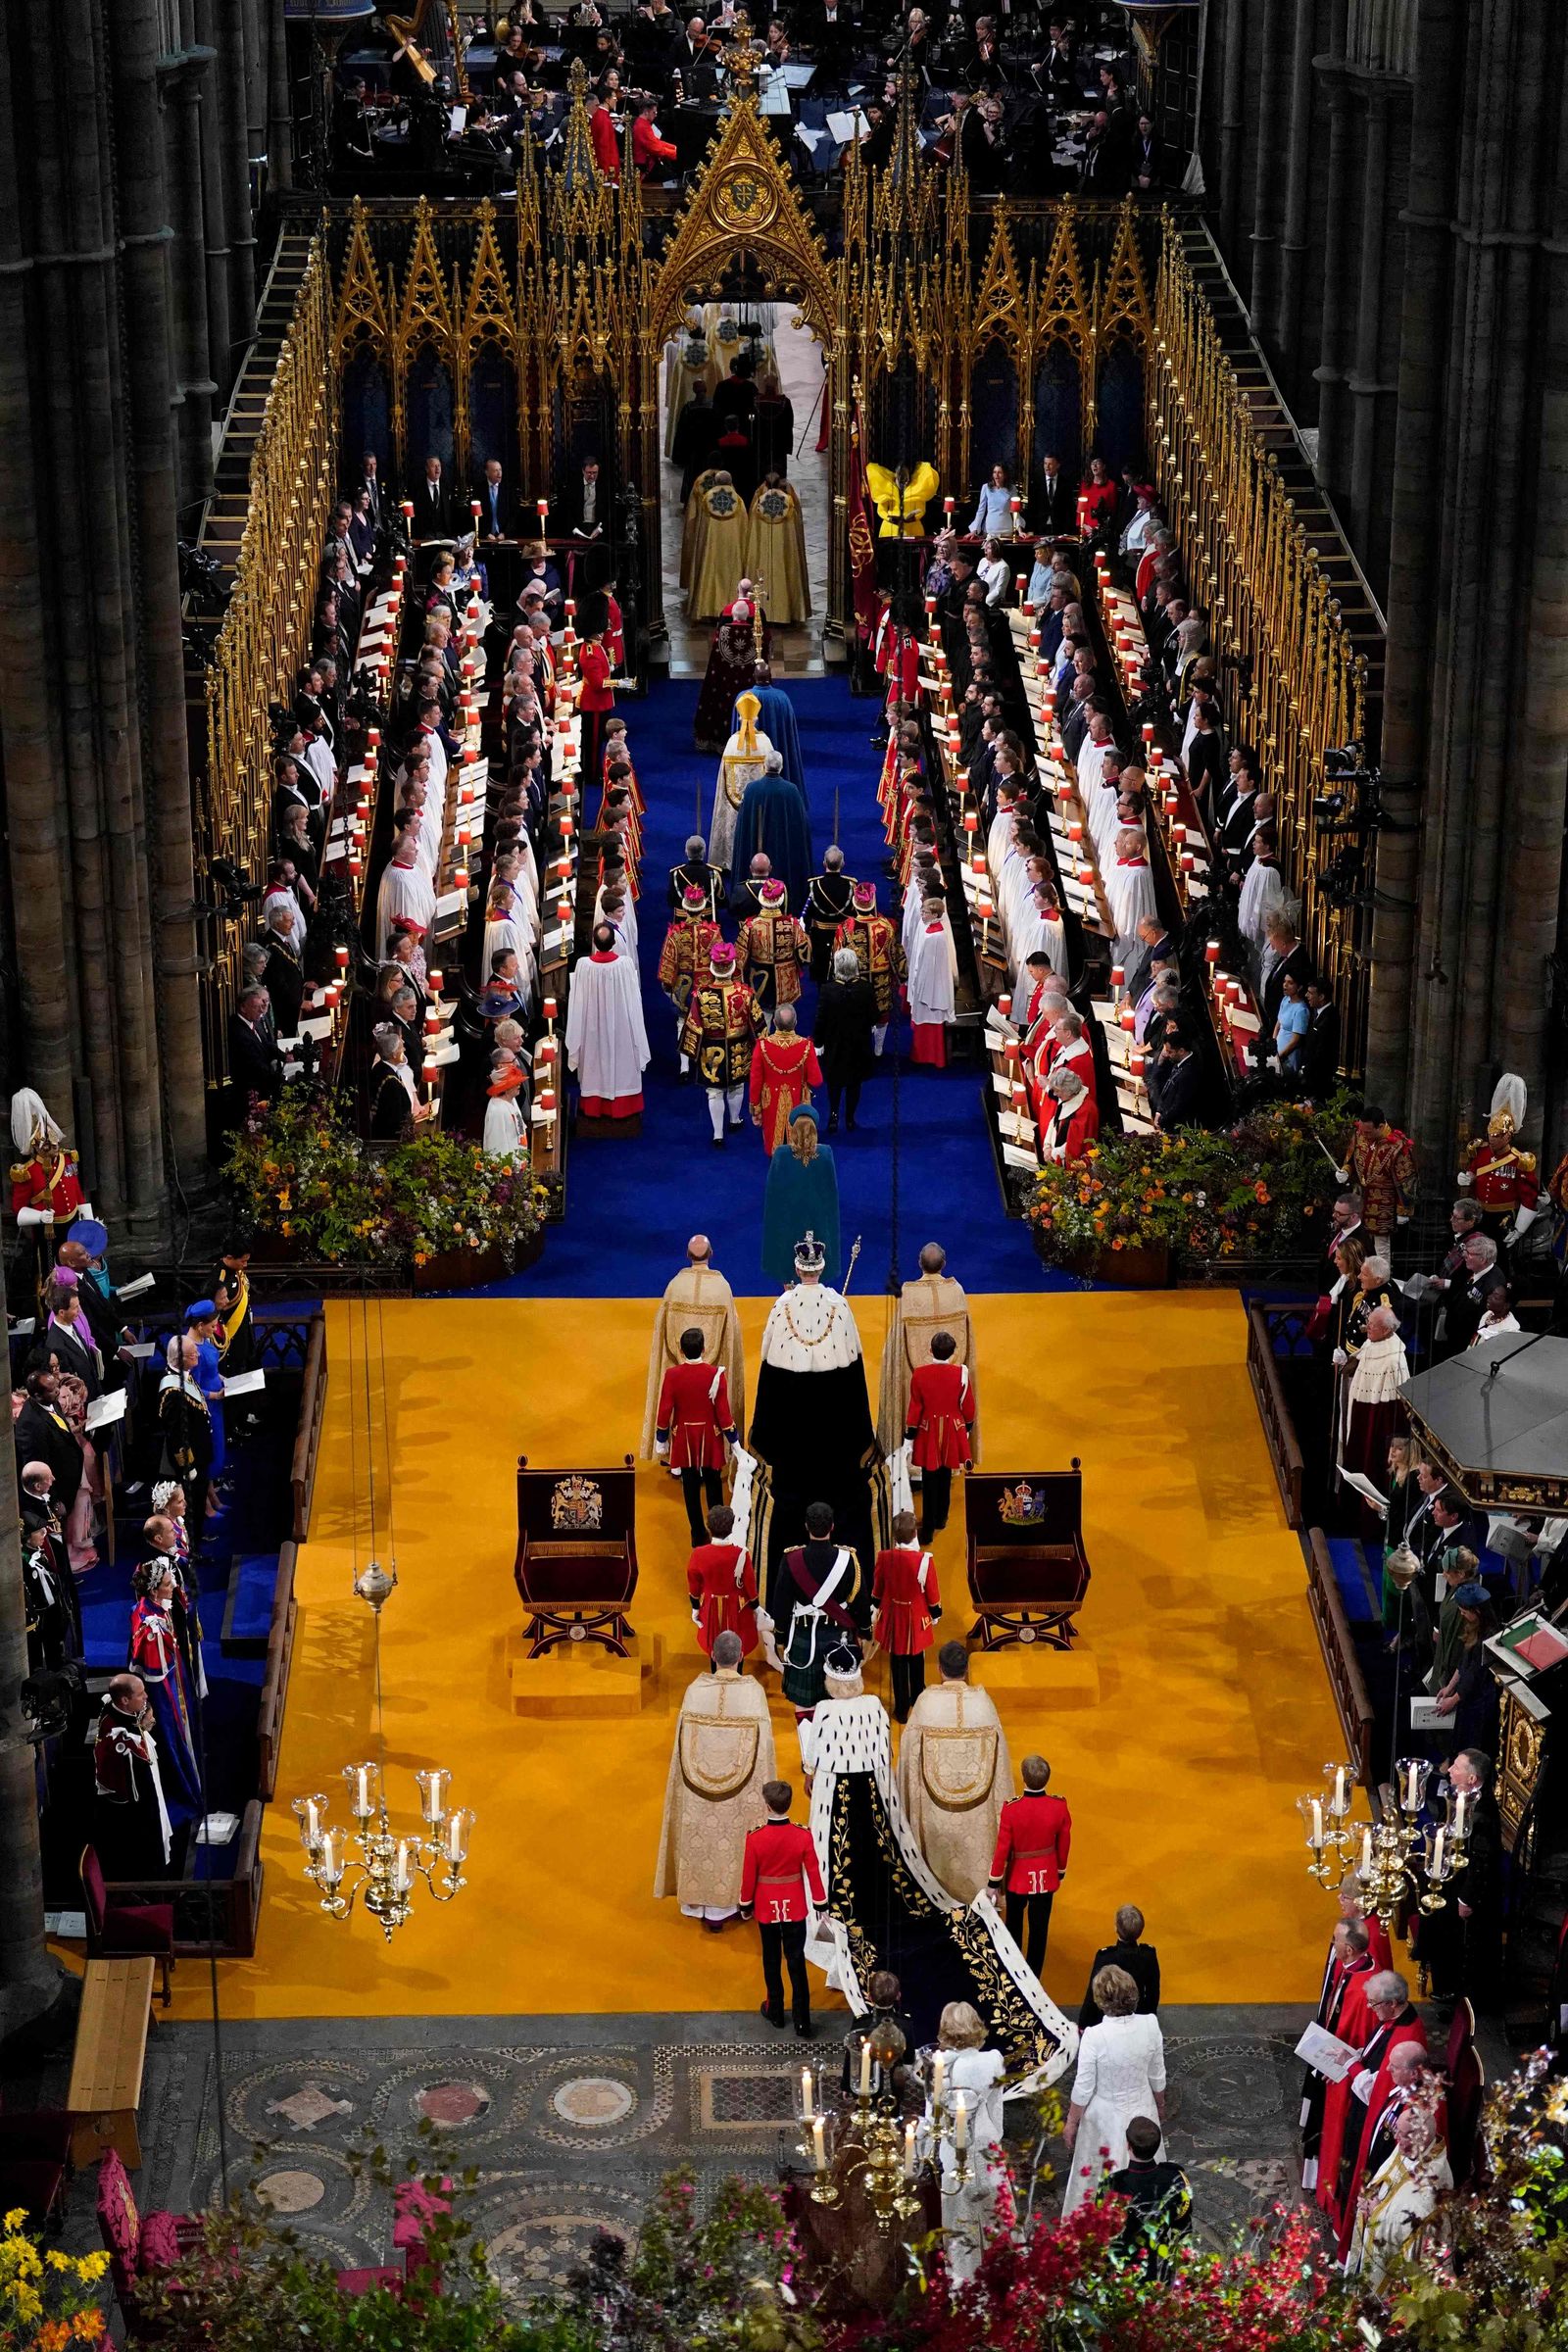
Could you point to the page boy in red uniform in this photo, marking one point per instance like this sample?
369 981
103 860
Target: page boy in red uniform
905 1604
778 1872
938 1423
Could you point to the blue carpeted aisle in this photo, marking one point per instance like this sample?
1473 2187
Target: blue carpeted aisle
632 1204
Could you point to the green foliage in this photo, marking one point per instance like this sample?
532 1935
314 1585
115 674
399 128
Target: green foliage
1260 1189
302 1177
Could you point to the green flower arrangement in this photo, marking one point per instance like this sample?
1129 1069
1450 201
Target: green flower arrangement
301 1176
1260 1189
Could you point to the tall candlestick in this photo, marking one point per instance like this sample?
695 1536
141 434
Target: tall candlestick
865 2068
819 2143
1342 1800
909 2151
960 2125
806 2092
1316 1838
937 2075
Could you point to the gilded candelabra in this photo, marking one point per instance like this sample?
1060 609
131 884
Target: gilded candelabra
389 1865
1398 1858
869 2143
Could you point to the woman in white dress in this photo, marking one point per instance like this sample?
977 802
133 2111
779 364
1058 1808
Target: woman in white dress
973 2073
1121 2072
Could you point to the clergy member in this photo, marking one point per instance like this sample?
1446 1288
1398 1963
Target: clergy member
784 1070
934 1302
697 1297
721 1761
955 1776
607 1044
772 819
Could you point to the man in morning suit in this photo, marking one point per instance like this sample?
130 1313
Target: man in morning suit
777 1874
1033 1841
432 508
695 1428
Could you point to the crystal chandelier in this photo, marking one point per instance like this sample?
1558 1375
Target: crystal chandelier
388 1866
1401 1857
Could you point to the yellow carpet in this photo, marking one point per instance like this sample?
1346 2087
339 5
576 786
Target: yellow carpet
1214 1711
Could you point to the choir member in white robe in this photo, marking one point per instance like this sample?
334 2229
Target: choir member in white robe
1092 755
933 968
323 766
505 1121
406 893
607 1042
1129 890
623 922
1040 933
1263 893
278 894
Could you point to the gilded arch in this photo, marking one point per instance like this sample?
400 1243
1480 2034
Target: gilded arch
744 201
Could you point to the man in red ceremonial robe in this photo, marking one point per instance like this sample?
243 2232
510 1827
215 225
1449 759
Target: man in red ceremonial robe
1398 2080
1389 2019
905 1604
1033 1842
723 1583
779 1871
695 1428
940 1417
1350 1962
784 1070
1076 1123
595 700
602 130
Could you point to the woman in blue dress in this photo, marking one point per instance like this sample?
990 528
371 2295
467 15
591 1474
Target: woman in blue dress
201 1320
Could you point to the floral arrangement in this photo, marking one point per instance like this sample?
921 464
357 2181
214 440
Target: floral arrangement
301 1175
1260 1189
47 2301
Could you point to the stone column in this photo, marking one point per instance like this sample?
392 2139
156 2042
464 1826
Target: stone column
1297 180
182 77
215 205
233 18
1363 384
1232 122
146 241
280 123
1337 227
1397 979
1270 102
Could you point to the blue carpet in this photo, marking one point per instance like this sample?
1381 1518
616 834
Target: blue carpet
632 1204
1359 1581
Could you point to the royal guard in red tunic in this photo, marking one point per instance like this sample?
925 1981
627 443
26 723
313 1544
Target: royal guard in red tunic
940 1417
596 699
1034 1839
904 1607
784 1070
695 1428
879 952
687 946
1076 1123
1502 1179
614 630
723 1583
1380 1164
43 1175
723 1022
779 1871
773 949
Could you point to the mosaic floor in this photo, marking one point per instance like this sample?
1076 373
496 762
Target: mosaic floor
570 2122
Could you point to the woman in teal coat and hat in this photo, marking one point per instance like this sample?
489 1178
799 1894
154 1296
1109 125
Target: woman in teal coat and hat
803 1197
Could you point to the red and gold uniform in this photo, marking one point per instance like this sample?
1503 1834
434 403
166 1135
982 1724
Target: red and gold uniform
722 1024
773 950
1381 1165
694 1416
723 1583
940 1415
687 946
48 1181
1499 1178
878 951
905 1600
784 1070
